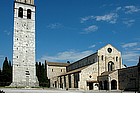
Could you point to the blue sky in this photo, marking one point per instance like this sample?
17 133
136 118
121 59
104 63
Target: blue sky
72 29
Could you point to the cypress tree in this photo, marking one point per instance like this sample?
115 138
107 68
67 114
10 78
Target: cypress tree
6 73
42 75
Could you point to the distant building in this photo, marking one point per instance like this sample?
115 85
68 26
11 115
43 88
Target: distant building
24 71
94 72
54 69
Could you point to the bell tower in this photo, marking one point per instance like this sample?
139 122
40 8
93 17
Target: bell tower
24 70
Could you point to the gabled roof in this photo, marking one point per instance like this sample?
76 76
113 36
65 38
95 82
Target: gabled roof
109 45
107 73
73 71
57 64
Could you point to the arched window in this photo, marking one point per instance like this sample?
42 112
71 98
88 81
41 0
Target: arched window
110 66
102 57
116 58
20 12
29 14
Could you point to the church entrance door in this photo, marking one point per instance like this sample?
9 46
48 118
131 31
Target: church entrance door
113 85
90 85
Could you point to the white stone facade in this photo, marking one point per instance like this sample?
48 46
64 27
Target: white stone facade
24 70
92 71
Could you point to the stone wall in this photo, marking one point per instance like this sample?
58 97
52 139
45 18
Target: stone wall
128 78
88 74
53 71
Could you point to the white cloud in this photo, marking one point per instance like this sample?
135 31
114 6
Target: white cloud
118 9
1 56
111 18
129 22
129 45
66 56
132 52
131 56
55 26
92 46
90 29
137 49
87 18
131 9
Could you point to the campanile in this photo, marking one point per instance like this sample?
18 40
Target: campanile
24 70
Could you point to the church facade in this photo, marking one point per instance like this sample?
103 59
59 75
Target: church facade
94 72
24 71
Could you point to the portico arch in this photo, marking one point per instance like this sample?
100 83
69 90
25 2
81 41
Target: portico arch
113 85
105 85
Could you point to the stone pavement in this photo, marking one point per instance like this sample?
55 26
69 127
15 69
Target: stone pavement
49 90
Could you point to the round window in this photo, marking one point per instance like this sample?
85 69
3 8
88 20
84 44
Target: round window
109 50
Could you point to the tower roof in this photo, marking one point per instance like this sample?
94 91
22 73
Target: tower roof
26 1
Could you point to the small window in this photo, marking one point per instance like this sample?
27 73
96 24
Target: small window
52 70
20 12
102 57
28 14
61 70
117 59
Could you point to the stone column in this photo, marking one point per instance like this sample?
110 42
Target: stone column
109 82
72 80
59 82
63 81
67 82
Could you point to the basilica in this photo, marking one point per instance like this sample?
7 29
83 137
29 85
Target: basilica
102 70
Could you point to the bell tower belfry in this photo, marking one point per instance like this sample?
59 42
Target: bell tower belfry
26 1
24 70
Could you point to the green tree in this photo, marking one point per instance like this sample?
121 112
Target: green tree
42 75
6 73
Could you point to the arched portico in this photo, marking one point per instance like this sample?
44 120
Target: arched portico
113 85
